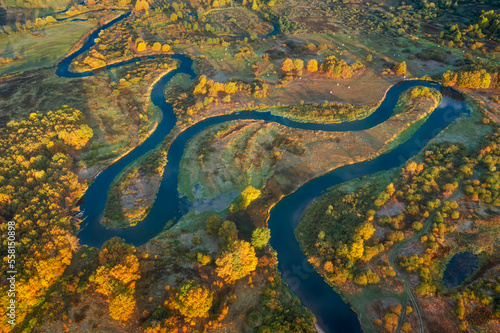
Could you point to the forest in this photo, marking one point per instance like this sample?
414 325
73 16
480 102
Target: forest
39 191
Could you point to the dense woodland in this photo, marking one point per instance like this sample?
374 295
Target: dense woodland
38 191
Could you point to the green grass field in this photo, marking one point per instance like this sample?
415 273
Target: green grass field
41 51
37 3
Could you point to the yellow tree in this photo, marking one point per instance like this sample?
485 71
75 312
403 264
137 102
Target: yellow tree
116 277
193 300
287 65
365 230
141 5
248 195
400 68
76 138
156 46
312 65
122 306
298 64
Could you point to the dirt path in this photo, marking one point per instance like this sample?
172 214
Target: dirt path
408 291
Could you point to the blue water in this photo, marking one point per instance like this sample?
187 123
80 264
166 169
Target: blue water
459 268
332 313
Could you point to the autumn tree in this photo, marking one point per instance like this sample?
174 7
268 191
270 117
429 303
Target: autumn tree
230 88
116 276
122 306
400 68
312 65
260 237
76 138
406 327
241 202
237 262
390 321
200 88
298 64
141 5
193 300
213 224
40 198
287 65
156 46
50 19
339 67
228 232
141 46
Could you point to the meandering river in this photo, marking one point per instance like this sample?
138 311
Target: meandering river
332 313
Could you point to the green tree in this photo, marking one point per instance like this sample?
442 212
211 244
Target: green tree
228 232
213 224
260 237
417 225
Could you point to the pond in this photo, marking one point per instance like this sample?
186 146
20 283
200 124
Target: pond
459 268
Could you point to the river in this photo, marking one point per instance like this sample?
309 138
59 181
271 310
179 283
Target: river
332 313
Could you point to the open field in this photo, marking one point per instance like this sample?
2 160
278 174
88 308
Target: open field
240 21
38 3
44 51
255 151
